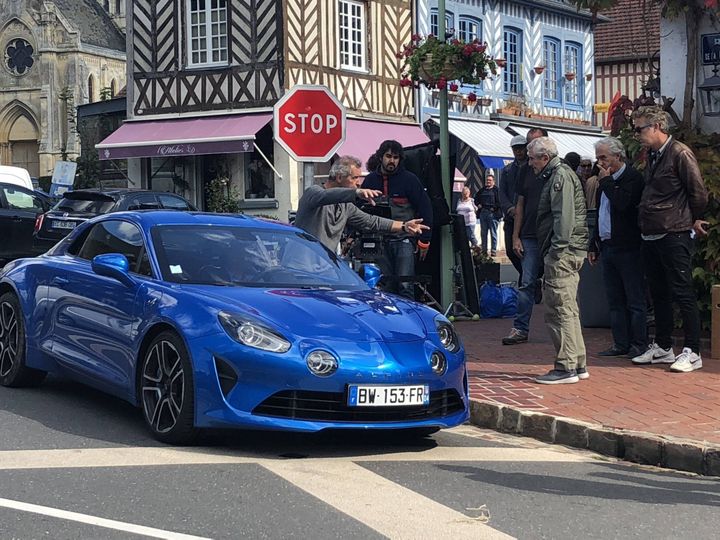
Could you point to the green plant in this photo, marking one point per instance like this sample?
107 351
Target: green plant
221 197
432 62
481 257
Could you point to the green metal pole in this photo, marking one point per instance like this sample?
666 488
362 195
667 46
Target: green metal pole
447 254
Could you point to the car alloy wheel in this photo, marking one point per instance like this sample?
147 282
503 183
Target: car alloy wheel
13 371
167 389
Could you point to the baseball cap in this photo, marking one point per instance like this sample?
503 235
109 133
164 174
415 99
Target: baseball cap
518 140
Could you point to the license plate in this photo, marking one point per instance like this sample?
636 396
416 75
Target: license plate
388 396
63 224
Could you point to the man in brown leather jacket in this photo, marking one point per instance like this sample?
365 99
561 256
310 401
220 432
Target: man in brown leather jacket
670 216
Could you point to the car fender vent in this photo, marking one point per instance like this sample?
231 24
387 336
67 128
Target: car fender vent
227 377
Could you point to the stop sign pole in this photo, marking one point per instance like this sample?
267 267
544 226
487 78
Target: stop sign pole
309 123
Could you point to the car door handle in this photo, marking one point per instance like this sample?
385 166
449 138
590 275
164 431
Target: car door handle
59 281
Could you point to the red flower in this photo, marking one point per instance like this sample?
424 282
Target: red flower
453 87
405 82
472 97
468 50
442 83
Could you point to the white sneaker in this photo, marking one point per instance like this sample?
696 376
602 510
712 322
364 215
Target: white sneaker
655 354
686 361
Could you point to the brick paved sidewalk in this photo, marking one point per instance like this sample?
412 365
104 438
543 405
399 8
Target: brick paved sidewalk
618 394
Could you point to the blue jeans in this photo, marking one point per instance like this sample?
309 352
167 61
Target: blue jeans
625 288
470 231
401 257
488 224
531 264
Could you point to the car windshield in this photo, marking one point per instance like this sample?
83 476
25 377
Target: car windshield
90 206
227 255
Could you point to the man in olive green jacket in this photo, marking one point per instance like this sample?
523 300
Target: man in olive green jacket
562 235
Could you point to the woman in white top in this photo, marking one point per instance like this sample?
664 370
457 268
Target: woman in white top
466 207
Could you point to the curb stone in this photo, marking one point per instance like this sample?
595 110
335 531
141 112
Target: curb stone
639 447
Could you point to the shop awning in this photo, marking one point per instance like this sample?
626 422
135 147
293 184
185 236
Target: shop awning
226 134
490 141
363 137
582 143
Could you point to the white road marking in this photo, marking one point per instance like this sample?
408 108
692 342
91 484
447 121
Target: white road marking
97 521
153 456
383 505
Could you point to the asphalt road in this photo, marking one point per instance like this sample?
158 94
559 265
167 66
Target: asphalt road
76 464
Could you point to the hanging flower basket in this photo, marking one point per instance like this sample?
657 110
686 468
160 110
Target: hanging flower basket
588 77
570 76
435 63
539 69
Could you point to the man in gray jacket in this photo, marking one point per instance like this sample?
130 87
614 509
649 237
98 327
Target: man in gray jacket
324 211
562 236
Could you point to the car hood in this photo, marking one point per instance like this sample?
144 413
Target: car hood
356 316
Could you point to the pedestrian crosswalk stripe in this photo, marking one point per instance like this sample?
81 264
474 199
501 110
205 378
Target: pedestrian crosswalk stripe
153 456
389 508
96 521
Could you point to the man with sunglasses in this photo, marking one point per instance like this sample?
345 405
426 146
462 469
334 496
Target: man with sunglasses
670 216
324 211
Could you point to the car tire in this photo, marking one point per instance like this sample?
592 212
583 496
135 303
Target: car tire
13 348
167 394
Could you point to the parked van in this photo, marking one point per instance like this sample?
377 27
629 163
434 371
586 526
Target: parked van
16 175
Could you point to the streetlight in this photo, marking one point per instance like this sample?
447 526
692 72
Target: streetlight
710 94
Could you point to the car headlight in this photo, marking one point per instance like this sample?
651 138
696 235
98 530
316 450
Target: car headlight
252 333
448 338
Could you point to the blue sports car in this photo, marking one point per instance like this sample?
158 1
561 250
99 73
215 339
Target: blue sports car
206 320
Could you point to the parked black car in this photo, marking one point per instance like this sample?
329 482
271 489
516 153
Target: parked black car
19 209
75 207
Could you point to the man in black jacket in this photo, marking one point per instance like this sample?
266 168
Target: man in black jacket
510 177
408 200
617 243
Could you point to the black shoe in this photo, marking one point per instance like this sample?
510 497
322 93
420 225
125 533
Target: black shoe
558 376
613 351
634 352
514 337
582 373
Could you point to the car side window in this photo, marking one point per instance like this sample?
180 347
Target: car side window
115 236
142 201
171 202
20 199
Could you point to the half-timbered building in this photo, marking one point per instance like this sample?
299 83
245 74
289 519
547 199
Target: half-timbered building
56 54
206 74
545 79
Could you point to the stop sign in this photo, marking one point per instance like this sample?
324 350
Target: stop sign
309 123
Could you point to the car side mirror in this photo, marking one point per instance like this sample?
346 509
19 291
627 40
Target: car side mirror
371 273
114 265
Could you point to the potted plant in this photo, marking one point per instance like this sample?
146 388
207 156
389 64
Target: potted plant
486 269
570 76
539 69
432 62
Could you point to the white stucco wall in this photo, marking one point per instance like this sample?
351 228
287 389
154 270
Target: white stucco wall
673 61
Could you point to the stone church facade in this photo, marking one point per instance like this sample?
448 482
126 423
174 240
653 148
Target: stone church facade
56 54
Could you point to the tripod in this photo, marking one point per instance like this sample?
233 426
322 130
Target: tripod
457 308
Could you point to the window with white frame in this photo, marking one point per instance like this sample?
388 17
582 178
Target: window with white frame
207 32
434 29
352 35
551 82
573 59
469 29
512 51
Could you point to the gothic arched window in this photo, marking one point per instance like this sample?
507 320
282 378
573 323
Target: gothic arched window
19 56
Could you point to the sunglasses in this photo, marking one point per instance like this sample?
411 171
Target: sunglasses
639 129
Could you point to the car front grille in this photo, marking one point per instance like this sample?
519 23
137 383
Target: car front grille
332 407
